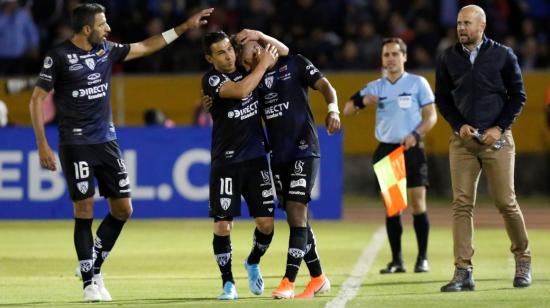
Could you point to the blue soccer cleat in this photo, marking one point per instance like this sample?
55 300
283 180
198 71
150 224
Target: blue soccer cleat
255 281
229 291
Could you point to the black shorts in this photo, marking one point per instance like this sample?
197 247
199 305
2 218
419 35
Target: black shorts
250 179
81 163
415 163
294 180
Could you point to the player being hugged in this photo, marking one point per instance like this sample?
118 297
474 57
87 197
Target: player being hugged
79 72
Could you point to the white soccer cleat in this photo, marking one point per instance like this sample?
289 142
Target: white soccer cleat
255 281
91 293
229 291
105 295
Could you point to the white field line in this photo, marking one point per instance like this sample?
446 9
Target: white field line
351 286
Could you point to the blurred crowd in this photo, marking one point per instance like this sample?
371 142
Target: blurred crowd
334 34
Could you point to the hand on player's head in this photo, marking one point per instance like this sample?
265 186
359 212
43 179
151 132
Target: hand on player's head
247 35
268 56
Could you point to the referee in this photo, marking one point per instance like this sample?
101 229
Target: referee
404 112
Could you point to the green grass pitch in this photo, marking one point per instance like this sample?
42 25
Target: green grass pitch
159 263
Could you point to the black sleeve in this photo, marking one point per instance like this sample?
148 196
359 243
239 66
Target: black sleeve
515 92
443 96
307 71
46 78
212 83
117 52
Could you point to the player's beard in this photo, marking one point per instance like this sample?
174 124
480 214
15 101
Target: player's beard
95 38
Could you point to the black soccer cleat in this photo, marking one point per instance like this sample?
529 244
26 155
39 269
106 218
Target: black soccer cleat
421 266
393 267
522 278
463 280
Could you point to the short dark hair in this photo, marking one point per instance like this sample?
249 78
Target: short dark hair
396 40
212 38
84 15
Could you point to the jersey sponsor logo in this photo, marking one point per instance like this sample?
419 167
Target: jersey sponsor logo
225 203
296 253
229 154
299 167
265 176
214 80
268 81
94 76
298 183
85 265
245 112
90 63
82 187
124 182
73 59
48 62
223 258
45 77
75 67
267 193
271 98
275 110
285 76
312 69
92 92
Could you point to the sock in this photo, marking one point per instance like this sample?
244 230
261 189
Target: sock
312 258
106 236
222 252
260 243
296 251
422 229
83 243
395 229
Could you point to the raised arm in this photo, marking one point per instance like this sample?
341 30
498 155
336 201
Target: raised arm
247 35
45 153
332 120
243 88
159 41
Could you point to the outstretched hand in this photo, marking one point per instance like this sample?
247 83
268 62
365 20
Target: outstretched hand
198 20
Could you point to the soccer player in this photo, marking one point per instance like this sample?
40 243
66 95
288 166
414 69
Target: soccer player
79 70
404 112
239 164
283 94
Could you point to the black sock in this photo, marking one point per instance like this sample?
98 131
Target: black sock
422 229
312 258
260 243
84 242
395 229
222 252
106 236
296 251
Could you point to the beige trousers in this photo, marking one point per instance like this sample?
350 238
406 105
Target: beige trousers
467 158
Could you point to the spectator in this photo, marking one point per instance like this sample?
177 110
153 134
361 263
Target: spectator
18 38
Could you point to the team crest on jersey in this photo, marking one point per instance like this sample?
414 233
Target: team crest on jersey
225 203
90 63
214 80
73 59
269 81
82 187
